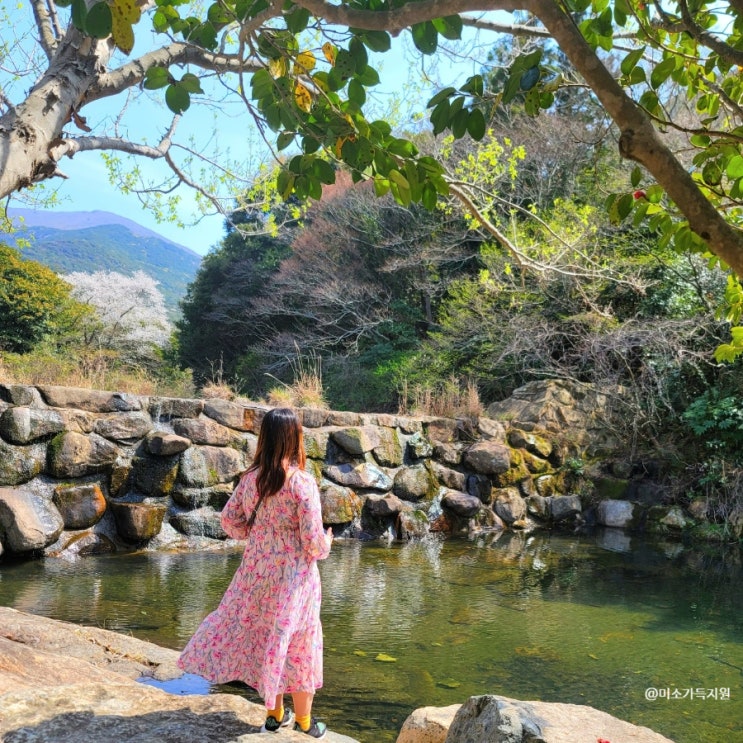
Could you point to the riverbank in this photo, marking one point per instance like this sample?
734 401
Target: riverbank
61 682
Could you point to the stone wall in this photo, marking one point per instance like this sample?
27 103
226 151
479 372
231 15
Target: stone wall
87 471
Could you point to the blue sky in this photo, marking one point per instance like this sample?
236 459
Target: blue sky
88 187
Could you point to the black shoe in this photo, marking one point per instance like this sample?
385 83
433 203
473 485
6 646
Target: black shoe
272 725
316 729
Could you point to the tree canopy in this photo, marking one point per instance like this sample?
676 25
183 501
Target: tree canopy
666 74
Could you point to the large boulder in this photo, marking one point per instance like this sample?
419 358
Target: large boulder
216 496
155 476
414 483
241 417
427 725
463 505
163 444
28 521
357 441
19 464
94 401
76 455
80 506
340 505
359 476
619 513
488 457
21 394
124 428
22 425
497 719
138 522
203 430
390 452
509 505
204 466
382 506
563 507
201 522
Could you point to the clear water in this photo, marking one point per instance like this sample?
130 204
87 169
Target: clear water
556 618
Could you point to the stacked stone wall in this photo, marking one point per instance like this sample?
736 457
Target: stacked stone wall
87 471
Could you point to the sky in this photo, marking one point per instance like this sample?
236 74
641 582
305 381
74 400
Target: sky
88 186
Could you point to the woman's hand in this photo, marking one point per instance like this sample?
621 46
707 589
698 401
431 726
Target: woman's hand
329 536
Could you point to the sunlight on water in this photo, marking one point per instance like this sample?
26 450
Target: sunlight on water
556 618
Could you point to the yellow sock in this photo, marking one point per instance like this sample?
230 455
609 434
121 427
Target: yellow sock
277 714
304 721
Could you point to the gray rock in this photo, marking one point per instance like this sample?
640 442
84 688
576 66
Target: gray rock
27 521
201 522
618 513
203 431
155 476
340 505
564 506
461 504
19 464
163 444
75 455
21 394
675 519
450 478
419 447
448 453
22 425
381 506
488 458
124 427
316 444
488 718
537 445
390 452
444 430
313 417
94 401
216 496
204 466
241 417
547 485
359 476
479 486
342 418
80 544
490 429
509 505
138 522
357 441
174 407
80 506
412 524
537 506
414 483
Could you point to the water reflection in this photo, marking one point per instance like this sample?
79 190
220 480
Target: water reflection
575 619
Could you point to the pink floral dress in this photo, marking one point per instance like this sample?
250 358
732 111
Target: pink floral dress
266 630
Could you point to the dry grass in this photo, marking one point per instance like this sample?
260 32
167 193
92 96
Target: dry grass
451 398
217 391
306 391
98 371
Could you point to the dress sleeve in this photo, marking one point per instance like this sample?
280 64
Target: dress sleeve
311 533
233 518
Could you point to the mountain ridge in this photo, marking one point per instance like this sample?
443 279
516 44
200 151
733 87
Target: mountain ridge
87 242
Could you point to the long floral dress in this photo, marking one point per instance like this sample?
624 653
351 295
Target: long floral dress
266 630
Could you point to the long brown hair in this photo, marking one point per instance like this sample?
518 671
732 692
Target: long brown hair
280 440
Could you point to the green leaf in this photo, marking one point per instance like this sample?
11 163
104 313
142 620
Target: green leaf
177 98
79 14
530 78
284 140
377 41
191 84
425 37
99 21
345 64
368 77
734 167
285 183
297 19
512 87
474 85
155 78
358 52
381 186
324 171
449 27
429 197
218 15
636 177
476 124
356 92
624 205
630 61
662 71
440 96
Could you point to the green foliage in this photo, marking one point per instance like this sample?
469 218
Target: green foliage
717 421
35 304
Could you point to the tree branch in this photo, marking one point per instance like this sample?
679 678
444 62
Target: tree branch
709 40
178 53
404 16
639 141
43 19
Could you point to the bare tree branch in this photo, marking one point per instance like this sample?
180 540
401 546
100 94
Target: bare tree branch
43 19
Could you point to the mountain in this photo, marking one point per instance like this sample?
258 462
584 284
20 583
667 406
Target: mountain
101 241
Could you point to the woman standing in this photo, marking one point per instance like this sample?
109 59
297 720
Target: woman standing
266 630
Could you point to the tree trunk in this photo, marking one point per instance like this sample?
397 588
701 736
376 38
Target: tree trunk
29 131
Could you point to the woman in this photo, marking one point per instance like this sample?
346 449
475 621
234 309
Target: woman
266 630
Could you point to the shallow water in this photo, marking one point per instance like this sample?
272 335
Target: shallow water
556 618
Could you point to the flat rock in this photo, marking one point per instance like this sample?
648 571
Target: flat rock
43 700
